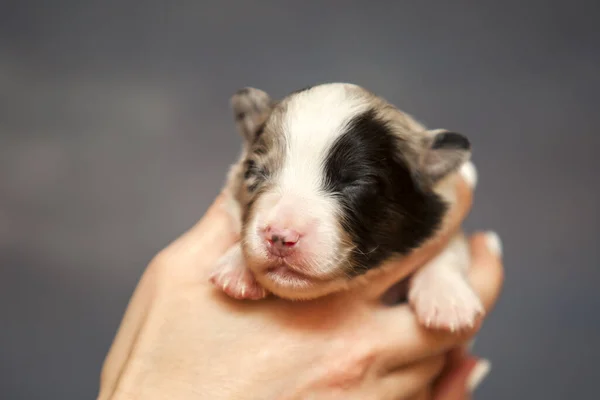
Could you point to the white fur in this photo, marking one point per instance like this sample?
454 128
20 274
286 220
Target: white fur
440 292
314 120
469 173
232 276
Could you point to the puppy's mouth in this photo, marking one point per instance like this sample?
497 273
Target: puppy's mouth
293 277
290 283
284 274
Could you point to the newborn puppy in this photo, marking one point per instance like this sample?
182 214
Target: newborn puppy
332 182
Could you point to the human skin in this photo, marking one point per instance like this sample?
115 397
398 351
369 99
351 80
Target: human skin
181 338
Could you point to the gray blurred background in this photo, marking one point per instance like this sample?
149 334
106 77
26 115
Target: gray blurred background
115 135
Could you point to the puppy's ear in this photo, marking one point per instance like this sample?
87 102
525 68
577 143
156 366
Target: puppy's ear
443 152
251 108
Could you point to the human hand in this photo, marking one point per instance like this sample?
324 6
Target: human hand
181 338
460 377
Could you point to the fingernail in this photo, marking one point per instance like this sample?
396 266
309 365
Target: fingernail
478 374
469 173
494 243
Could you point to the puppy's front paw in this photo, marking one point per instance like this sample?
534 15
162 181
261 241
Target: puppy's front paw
233 277
445 301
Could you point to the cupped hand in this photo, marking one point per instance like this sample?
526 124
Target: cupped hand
182 338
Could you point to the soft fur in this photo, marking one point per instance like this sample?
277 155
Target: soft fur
355 182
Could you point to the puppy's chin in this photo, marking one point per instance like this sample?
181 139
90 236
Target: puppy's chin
293 282
289 285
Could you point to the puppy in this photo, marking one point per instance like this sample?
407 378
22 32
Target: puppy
332 182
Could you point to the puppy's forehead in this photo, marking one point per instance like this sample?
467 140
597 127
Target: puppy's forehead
324 110
309 123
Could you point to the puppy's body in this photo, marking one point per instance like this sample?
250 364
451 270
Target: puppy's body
332 182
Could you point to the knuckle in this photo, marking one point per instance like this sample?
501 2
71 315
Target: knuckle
349 365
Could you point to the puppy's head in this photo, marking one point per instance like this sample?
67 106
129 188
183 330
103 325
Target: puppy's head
337 180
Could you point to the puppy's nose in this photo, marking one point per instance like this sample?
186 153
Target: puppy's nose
280 241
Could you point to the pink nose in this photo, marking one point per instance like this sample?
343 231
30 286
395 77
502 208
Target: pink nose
280 241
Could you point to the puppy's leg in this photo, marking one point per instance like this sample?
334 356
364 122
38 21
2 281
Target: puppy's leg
234 278
440 293
251 108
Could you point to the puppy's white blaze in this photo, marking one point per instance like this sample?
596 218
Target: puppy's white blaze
313 121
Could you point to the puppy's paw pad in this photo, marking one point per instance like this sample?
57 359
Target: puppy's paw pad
446 304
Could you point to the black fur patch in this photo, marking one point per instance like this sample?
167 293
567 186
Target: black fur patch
252 188
259 131
386 211
250 169
451 140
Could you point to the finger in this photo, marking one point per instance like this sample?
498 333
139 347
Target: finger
425 394
410 380
461 381
126 336
214 224
400 330
486 274
385 277
454 359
